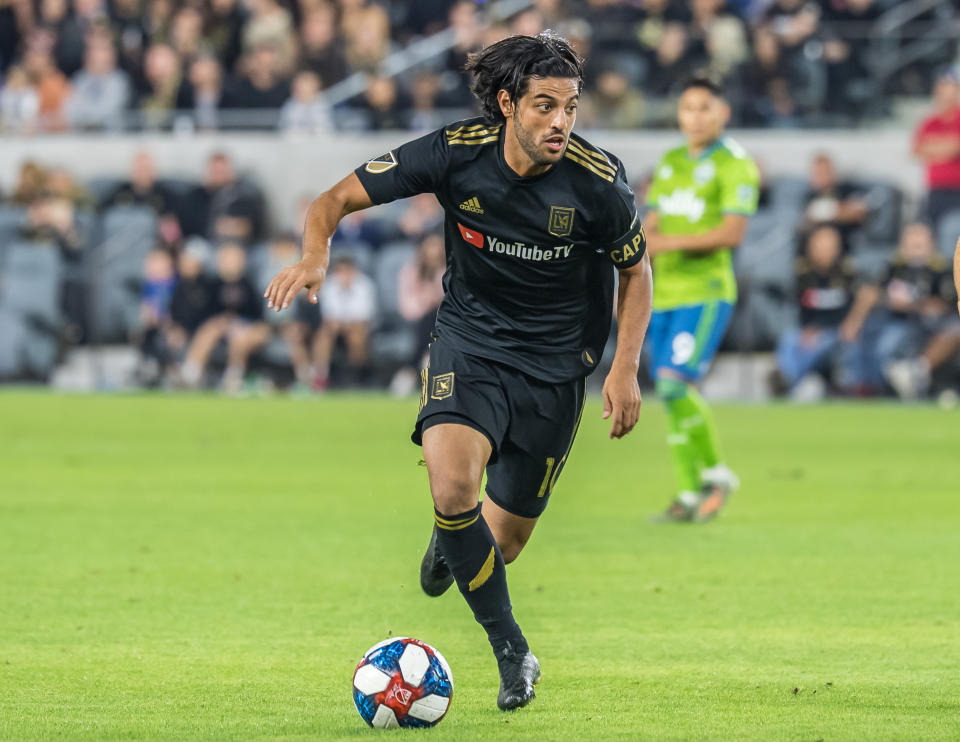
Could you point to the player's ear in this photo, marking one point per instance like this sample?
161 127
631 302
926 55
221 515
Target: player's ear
506 104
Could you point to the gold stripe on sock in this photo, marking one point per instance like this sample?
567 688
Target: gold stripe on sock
453 521
485 571
456 526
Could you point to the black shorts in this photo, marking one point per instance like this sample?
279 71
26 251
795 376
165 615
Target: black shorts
530 423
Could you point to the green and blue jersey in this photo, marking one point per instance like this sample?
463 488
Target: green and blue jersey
691 195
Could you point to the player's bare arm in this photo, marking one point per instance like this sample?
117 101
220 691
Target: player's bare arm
621 393
323 217
728 235
956 271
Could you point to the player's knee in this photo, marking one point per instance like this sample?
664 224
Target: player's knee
512 547
454 492
671 390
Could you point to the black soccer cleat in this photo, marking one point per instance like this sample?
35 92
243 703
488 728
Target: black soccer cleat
519 672
435 576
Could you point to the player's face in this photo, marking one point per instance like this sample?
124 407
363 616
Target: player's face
544 116
702 116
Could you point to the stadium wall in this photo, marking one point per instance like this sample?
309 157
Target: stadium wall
289 167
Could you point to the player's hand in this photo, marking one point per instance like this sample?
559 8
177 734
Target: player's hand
307 274
621 400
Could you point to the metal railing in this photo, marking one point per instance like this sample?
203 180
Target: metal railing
418 53
901 38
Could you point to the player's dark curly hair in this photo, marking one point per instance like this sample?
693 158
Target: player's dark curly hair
703 81
509 65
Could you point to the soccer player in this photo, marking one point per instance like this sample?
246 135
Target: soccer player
536 221
700 199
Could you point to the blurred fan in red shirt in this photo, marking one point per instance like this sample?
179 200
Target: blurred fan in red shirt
937 144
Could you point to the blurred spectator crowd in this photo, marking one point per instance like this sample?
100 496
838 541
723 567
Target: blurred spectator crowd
844 279
851 293
105 65
178 268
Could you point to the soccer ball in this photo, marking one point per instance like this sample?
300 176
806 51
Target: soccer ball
402 682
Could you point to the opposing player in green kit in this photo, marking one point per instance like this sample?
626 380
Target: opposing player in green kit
701 198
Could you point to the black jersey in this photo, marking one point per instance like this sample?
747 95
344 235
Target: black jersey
529 280
825 297
930 279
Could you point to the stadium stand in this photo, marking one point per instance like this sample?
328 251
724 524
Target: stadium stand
227 64
116 267
29 308
119 239
312 67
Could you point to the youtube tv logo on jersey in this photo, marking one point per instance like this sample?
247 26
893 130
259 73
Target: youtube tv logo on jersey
471 236
514 249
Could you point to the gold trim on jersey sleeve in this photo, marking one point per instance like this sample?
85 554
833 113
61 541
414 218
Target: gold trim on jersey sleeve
485 140
464 128
480 130
598 158
473 135
589 165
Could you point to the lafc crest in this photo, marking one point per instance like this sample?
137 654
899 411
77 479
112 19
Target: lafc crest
442 386
561 221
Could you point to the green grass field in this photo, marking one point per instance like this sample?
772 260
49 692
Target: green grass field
196 567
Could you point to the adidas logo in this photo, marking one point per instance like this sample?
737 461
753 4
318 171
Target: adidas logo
472 205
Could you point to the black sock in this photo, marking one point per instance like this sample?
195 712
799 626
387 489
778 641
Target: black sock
477 565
